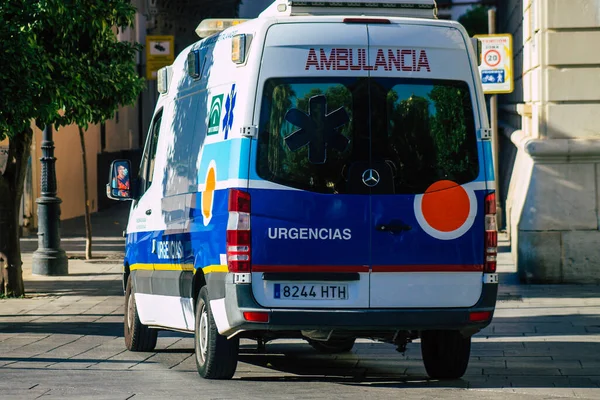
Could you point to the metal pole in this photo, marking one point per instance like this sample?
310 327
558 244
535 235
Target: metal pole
494 127
49 258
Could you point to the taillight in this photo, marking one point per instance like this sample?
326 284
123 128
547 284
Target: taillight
238 232
256 316
480 316
491 234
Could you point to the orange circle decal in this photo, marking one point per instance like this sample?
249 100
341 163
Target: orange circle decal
445 206
208 193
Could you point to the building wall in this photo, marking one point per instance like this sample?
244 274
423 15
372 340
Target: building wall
69 168
510 20
553 203
251 9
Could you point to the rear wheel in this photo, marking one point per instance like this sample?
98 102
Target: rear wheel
445 353
216 356
138 337
333 345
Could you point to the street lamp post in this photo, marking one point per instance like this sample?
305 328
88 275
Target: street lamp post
49 258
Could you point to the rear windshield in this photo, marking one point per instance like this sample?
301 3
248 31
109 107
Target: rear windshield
322 134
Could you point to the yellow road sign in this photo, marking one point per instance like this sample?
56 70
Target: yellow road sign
496 69
160 52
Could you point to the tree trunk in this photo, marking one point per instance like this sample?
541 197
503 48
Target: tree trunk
88 220
11 191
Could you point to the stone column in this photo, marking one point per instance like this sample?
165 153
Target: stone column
553 199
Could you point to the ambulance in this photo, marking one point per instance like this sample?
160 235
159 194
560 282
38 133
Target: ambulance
322 172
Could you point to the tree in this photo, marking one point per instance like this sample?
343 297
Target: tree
450 131
24 95
99 72
475 20
57 56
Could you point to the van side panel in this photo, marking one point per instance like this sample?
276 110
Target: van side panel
200 156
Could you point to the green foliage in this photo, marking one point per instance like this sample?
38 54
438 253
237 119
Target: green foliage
430 135
449 130
427 133
25 73
296 165
64 56
475 20
409 125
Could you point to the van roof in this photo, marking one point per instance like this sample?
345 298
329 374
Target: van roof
392 8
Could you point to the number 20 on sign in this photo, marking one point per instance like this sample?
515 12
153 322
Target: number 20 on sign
496 69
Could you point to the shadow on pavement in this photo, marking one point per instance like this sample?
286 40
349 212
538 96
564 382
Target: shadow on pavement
82 274
88 288
66 327
100 245
388 370
54 360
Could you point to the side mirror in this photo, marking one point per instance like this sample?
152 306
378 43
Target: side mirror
119 181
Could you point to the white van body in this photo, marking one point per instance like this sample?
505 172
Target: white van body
335 182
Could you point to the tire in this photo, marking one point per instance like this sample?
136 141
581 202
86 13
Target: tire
216 356
445 353
333 346
138 337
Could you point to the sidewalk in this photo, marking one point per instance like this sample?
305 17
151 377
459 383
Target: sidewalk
107 230
64 340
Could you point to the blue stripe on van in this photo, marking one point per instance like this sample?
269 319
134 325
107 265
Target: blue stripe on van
486 163
225 154
203 245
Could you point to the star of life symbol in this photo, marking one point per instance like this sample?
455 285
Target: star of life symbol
318 130
229 106
370 177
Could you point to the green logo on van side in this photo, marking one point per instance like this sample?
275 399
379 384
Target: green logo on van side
214 120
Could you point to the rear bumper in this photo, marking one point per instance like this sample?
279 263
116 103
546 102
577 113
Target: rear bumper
240 300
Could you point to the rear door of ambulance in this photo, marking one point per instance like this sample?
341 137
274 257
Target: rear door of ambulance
311 232
427 206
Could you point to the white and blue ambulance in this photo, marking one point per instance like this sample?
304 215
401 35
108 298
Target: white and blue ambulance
323 172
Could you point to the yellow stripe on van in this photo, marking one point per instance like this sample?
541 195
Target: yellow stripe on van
173 267
144 267
215 268
162 267
178 267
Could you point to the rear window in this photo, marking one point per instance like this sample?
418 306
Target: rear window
321 134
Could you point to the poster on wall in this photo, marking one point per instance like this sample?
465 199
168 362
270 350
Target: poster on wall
3 158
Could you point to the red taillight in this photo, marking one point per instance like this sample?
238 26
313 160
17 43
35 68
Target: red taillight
491 234
490 204
256 316
238 232
239 201
480 316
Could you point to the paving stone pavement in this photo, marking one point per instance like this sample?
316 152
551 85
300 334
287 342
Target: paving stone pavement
64 340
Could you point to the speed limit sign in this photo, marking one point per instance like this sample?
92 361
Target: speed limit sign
496 68
492 58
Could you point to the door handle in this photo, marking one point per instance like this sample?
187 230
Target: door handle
393 227
148 212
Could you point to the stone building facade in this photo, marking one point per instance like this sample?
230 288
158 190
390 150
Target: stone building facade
552 195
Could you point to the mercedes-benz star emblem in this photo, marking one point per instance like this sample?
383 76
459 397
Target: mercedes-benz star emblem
370 177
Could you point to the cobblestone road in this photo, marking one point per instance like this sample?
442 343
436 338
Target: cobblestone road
65 341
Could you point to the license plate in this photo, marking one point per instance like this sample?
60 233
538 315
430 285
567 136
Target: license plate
315 291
